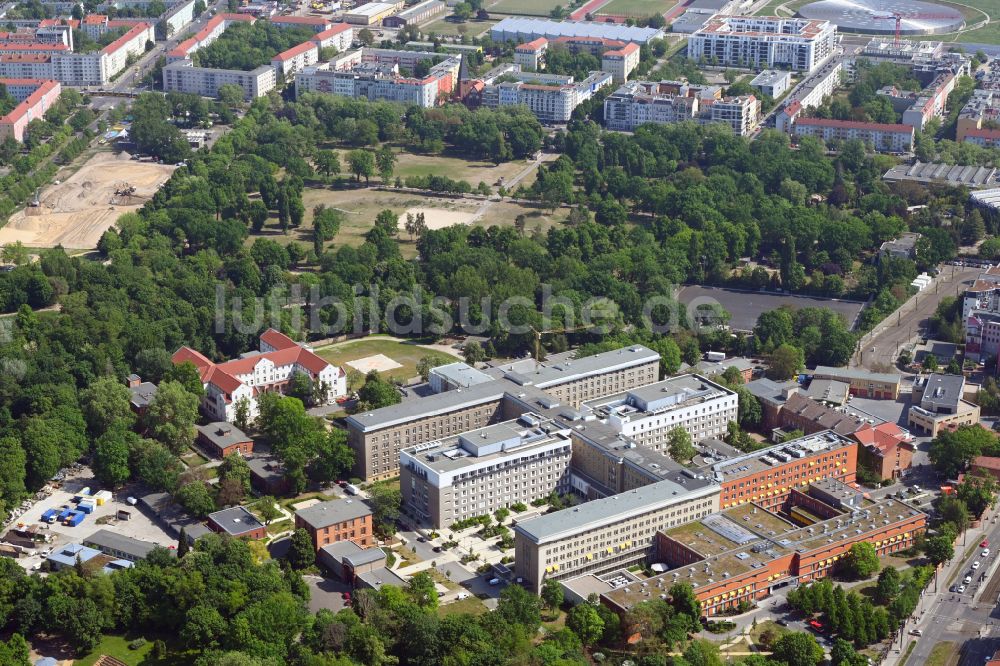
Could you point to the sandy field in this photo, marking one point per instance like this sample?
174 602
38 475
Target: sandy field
76 212
379 362
438 218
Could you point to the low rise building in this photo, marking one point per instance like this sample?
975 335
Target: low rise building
864 384
772 83
772 397
372 13
904 247
896 138
337 520
801 412
347 560
478 472
222 439
453 376
419 13
941 404
885 449
317 24
238 523
34 97
119 546
141 393
520 29
609 533
69 555
270 369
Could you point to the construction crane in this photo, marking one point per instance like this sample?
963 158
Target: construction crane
899 19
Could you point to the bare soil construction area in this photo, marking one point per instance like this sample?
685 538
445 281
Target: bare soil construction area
76 212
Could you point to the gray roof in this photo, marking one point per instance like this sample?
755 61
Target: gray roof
329 513
769 77
365 556
856 373
222 434
942 390
952 174
142 394
548 28
235 520
828 390
107 540
461 374
379 577
770 390
265 465
600 512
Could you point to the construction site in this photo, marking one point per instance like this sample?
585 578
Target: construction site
76 212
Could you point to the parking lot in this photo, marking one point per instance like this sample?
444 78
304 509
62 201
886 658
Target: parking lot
138 526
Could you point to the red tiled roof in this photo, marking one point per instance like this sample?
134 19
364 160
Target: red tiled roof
335 30
853 124
300 20
885 436
43 89
95 19
188 354
984 133
34 47
277 339
296 50
629 48
533 45
125 39
25 57
23 82
986 462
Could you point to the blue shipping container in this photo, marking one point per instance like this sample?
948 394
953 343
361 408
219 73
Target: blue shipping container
85 507
76 518
50 515
65 514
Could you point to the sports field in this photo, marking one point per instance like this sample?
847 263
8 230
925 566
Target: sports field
472 28
636 8
525 7
406 354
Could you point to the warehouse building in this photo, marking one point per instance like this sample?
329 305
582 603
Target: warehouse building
521 29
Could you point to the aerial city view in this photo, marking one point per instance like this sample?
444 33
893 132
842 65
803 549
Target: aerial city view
499 332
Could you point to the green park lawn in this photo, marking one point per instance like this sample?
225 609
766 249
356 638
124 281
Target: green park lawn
525 7
470 606
117 646
406 354
636 8
471 28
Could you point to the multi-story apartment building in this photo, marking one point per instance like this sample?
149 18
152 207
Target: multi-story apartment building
483 470
648 413
530 56
212 30
609 533
767 476
338 37
809 94
620 62
183 76
520 29
639 102
335 521
295 59
550 102
743 554
176 19
769 42
378 436
270 369
34 97
896 138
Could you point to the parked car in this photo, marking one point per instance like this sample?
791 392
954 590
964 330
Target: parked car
975 565
463 595
985 553
961 589
916 632
967 580
494 581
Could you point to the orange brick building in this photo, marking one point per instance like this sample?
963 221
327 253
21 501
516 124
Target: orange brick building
745 553
337 520
766 477
885 449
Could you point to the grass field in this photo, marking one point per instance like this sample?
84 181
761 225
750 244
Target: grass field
404 353
117 647
470 606
526 7
473 28
943 654
456 168
638 8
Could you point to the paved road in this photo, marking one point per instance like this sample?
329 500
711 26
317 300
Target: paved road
903 327
970 622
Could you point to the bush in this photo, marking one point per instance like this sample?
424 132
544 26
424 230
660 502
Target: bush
136 644
520 507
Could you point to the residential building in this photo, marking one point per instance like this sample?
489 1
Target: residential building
419 13
743 554
520 29
480 471
620 62
800 45
904 247
886 449
212 30
766 477
222 439
940 404
828 392
176 19
530 56
347 560
772 83
372 13
985 466
337 520
141 393
238 523
119 546
803 413
378 436
772 397
270 369
809 94
639 102
317 24
647 414
295 59
550 102
609 533
339 37
34 97
183 76
896 138
864 384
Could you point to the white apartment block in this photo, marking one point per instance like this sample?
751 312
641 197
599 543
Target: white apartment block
177 18
620 62
881 137
215 27
339 37
647 414
270 369
295 59
639 102
183 76
550 103
742 113
530 56
760 42
477 472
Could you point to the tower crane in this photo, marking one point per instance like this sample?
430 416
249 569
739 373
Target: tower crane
898 17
